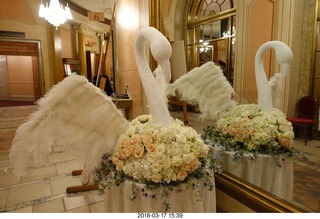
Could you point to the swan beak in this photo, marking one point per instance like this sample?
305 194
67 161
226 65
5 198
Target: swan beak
166 70
285 68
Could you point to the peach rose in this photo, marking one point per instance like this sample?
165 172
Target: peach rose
129 150
126 143
151 148
181 175
120 153
225 130
114 159
138 150
147 139
119 165
194 165
185 166
135 139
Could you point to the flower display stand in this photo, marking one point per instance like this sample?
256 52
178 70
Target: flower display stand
262 172
117 199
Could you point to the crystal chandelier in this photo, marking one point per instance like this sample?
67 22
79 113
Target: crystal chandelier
55 14
204 46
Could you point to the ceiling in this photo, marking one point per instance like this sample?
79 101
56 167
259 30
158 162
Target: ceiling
104 6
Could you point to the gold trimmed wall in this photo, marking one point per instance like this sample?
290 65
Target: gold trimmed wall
131 15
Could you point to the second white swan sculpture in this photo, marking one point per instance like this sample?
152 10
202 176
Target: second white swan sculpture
270 93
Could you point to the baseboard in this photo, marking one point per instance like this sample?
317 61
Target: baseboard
22 98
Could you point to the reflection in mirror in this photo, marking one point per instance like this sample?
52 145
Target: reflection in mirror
71 66
212 35
216 29
214 40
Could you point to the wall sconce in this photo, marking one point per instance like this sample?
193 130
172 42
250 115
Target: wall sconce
55 14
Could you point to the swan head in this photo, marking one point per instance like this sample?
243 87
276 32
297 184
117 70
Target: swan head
284 56
161 51
283 52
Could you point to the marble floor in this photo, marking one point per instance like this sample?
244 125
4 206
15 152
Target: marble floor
43 188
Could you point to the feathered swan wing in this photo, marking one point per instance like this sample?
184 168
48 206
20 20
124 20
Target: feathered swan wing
74 114
207 86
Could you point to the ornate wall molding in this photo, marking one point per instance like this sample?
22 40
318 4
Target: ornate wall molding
307 49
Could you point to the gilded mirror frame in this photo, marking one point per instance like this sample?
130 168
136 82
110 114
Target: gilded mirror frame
253 197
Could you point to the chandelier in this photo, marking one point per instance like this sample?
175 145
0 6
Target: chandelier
204 46
55 14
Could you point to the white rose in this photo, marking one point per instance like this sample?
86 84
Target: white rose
160 157
190 133
156 167
144 118
181 138
156 177
202 149
176 161
166 163
161 148
131 130
128 169
151 157
188 158
186 147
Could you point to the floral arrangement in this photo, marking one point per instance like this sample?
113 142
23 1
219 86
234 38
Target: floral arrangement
158 156
248 130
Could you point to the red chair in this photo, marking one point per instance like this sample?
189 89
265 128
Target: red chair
306 110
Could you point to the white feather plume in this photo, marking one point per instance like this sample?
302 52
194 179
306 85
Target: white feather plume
207 86
74 114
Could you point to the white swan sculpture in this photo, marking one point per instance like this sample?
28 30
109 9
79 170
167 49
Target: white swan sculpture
270 93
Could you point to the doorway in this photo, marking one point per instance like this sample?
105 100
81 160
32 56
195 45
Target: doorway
19 71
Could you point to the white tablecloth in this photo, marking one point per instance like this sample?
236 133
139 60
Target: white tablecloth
263 172
117 199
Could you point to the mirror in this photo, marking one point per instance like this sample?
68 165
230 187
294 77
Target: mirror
212 38
205 41
71 66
